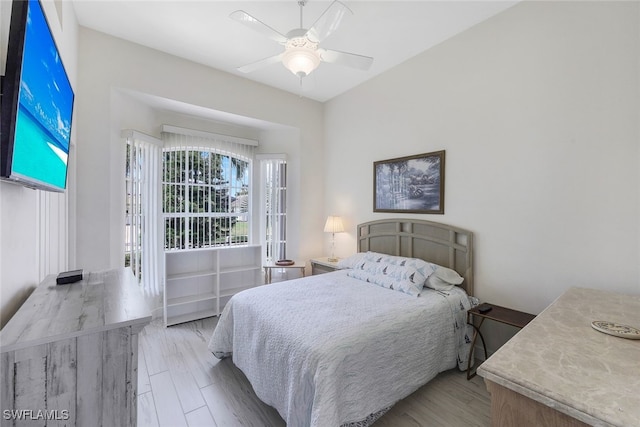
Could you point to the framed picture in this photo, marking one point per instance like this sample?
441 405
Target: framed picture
413 184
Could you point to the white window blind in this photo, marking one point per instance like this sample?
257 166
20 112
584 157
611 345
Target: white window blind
273 171
206 189
142 180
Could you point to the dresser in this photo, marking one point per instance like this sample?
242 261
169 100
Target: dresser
559 371
70 353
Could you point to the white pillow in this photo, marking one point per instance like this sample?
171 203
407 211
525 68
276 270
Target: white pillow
405 279
423 267
443 279
352 261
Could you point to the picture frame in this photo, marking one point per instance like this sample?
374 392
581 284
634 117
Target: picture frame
412 184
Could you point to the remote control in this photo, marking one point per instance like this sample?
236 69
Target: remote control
484 309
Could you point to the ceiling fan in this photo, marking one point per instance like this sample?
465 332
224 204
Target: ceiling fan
302 53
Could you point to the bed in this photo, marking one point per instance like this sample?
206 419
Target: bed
339 349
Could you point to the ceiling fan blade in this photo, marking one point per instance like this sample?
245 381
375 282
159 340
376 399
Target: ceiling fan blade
257 25
348 59
254 66
328 22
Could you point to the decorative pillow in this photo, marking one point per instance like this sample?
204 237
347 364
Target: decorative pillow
443 279
425 268
351 261
396 277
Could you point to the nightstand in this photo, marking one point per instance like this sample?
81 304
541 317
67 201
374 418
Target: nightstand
499 314
323 265
271 266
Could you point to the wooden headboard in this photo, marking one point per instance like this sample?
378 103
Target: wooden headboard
440 244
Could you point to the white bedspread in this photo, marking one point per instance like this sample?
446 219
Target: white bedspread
329 349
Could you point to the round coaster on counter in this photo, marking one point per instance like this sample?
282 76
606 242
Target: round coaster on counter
616 329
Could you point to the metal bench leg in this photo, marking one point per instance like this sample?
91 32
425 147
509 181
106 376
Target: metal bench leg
476 332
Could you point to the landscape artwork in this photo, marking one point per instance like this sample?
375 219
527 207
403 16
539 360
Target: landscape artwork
412 184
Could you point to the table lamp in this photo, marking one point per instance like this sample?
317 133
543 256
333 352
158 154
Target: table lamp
333 226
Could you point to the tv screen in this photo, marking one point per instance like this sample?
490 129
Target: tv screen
37 103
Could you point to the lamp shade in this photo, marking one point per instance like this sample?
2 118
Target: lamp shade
333 225
301 56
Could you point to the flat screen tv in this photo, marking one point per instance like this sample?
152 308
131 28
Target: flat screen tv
37 103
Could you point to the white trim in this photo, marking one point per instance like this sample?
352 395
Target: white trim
210 135
139 136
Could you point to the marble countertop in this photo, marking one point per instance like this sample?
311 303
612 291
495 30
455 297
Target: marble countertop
101 301
561 361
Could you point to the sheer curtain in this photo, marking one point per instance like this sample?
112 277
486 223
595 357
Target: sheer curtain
143 248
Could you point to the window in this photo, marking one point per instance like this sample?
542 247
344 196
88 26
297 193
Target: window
193 190
206 192
142 207
273 178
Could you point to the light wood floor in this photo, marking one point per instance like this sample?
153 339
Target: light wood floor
180 383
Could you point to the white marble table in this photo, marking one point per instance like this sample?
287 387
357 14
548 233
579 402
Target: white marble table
72 351
558 370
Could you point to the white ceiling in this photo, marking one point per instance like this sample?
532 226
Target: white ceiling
201 31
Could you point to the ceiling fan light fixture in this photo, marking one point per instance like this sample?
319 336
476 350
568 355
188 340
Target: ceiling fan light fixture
301 56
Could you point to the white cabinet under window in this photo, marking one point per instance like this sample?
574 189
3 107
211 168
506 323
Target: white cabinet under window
199 282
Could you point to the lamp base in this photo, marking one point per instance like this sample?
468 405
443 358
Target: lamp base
332 259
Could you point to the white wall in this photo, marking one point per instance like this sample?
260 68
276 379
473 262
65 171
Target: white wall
112 69
34 228
538 110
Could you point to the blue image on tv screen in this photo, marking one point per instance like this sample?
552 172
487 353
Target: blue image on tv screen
43 123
